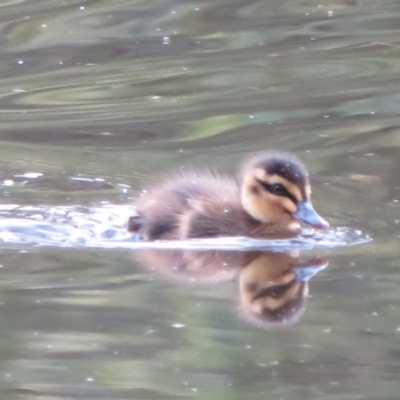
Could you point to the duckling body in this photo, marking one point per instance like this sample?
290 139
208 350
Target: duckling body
259 203
192 206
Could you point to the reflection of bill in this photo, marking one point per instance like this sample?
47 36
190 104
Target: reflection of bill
273 286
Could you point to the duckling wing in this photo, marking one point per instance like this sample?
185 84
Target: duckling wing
187 206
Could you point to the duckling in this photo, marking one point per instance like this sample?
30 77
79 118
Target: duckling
270 197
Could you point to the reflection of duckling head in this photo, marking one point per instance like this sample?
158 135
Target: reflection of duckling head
276 189
273 289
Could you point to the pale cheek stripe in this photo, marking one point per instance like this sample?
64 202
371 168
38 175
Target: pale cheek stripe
289 205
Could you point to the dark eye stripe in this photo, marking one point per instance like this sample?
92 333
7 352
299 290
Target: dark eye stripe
286 193
275 292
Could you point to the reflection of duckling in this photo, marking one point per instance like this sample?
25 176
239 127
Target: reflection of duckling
197 267
274 286
270 198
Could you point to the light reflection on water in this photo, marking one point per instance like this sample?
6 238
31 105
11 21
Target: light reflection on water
117 93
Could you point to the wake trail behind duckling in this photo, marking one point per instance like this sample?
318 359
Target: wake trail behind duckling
105 226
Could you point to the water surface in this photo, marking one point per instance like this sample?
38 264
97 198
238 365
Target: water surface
99 99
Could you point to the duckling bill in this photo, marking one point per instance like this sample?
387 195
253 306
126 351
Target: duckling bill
269 198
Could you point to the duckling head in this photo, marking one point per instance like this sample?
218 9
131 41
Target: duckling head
275 189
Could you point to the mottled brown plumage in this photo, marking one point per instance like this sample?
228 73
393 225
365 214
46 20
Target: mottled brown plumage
270 196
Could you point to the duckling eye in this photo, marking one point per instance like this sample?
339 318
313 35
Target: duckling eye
278 189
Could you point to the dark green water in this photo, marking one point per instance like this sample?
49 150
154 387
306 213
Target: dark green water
128 90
